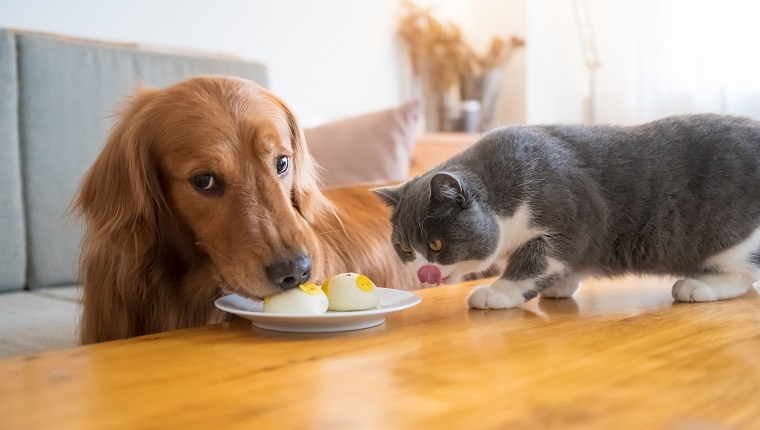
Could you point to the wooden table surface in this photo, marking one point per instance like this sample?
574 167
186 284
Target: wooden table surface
621 354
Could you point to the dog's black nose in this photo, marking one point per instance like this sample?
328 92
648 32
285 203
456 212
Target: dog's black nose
290 272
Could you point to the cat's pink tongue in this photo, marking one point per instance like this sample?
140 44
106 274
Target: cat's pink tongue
429 274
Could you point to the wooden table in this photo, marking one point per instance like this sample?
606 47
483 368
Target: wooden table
621 354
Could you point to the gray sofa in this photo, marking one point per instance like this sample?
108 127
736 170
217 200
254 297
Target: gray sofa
57 100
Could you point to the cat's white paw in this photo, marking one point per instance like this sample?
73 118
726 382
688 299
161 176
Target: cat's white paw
490 297
711 287
693 290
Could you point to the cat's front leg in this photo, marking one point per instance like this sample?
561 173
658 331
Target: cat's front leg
530 270
562 288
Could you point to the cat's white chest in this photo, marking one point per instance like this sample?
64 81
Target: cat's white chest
516 230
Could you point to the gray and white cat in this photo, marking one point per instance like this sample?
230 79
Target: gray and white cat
558 203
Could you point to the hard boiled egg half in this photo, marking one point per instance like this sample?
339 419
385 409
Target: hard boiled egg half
350 292
307 299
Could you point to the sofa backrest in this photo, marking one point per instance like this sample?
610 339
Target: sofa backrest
12 226
68 92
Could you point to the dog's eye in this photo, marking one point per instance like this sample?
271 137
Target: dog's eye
283 163
435 245
205 182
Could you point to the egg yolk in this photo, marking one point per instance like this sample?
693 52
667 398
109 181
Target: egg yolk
310 288
325 286
364 283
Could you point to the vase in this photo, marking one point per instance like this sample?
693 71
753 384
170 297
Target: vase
485 88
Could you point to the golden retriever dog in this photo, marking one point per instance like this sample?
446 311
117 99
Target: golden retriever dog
205 188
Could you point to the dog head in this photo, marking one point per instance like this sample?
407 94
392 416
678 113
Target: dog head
212 172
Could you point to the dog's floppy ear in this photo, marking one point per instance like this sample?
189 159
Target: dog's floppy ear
120 193
307 198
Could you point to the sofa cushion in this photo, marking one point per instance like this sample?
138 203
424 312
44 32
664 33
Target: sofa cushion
36 321
12 240
371 148
69 91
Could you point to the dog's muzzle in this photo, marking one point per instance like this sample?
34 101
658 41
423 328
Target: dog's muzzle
289 272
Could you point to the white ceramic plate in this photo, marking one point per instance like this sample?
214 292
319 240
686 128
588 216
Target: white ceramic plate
390 301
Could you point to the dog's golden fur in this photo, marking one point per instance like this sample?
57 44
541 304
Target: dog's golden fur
158 251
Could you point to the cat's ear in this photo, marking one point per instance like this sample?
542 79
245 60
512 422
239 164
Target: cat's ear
450 189
389 195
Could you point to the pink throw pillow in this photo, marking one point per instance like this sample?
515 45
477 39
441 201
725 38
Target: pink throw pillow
372 148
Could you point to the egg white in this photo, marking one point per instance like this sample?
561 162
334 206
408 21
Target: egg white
297 301
344 294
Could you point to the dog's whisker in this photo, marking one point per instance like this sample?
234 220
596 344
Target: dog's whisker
324 233
210 248
225 280
231 286
372 230
227 286
337 217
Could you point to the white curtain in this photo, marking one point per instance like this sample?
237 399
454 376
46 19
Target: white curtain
657 58
679 56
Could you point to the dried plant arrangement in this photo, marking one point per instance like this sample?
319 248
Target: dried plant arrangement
449 68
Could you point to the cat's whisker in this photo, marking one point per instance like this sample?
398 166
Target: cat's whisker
422 224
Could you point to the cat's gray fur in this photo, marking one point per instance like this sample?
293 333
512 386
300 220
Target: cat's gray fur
665 197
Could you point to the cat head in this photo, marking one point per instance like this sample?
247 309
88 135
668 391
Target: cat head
442 228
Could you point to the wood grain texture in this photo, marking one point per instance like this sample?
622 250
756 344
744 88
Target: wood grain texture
621 354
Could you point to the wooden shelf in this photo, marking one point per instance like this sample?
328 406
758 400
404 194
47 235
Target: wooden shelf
434 148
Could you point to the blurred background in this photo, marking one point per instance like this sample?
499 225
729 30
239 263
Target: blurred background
619 62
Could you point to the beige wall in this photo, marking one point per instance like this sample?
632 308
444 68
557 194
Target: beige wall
327 58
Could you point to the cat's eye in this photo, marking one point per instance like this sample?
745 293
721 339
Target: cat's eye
206 182
435 245
406 248
283 164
